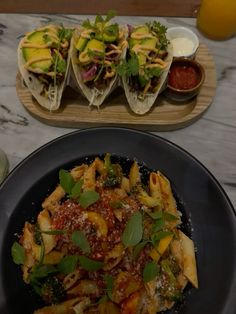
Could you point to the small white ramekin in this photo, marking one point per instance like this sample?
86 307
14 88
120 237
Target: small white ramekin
184 32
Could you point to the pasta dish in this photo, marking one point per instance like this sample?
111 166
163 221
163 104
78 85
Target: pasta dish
105 241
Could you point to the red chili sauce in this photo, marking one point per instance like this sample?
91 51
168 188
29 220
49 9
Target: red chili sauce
182 76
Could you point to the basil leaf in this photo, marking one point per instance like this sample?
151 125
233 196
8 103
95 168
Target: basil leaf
66 180
150 271
116 204
68 264
79 239
18 253
170 217
158 225
88 198
160 235
138 248
42 271
89 264
155 215
76 190
133 232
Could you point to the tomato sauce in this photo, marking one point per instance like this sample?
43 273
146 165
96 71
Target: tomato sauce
183 76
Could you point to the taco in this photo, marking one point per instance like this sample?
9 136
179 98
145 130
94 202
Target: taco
148 58
97 48
43 61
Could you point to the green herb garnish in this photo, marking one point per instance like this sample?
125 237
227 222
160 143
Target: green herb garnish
138 248
130 67
89 264
88 198
66 180
79 239
150 271
68 264
74 190
18 253
156 237
133 232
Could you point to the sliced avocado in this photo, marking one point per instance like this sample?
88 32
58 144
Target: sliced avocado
149 42
95 45
81 43
141 58
109 38
143 29
111 33
92 45
37 38
132 42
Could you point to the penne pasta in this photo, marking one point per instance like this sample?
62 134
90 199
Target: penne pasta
107 243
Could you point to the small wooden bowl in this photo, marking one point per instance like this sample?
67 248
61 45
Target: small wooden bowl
185 79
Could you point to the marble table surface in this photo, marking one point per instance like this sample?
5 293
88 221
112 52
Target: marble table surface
212 139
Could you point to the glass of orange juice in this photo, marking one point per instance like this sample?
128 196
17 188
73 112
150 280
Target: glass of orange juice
217 18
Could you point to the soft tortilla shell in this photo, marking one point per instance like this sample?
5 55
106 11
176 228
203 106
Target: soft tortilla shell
36 87
95 97
143 106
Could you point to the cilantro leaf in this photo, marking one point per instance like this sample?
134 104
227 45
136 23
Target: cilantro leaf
130 67
99 19
64 33
110 15
159 30
87 24
60 64
151 72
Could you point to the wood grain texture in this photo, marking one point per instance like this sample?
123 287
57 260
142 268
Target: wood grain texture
123 7
165 115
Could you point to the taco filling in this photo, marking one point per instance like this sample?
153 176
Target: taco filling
45 53
145 59
99 49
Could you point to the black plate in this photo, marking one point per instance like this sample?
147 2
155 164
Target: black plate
212 216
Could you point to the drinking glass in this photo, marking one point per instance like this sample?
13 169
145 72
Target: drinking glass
217 18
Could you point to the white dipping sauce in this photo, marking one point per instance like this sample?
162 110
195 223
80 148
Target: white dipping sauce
182 46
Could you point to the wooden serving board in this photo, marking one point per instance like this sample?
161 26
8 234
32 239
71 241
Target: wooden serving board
165 115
